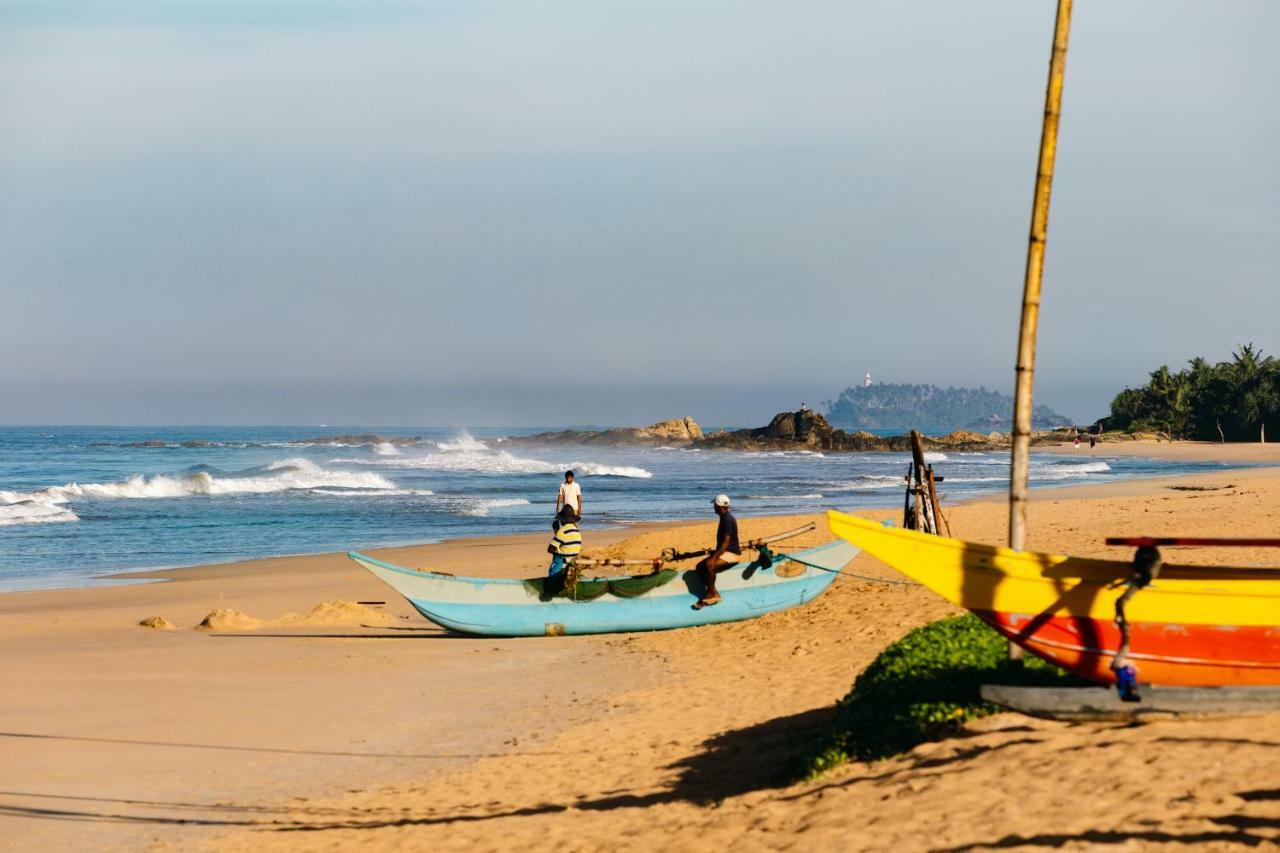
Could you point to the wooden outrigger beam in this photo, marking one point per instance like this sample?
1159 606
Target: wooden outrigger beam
670 555
673 556
1195 541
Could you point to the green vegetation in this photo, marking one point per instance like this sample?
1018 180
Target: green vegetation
1228 401
930 409
923 687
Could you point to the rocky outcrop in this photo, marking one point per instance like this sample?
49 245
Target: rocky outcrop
677 429
363 438
803 430
676 432
806 430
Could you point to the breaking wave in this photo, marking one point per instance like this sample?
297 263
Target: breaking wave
480 507
504 462
784 453
22 510
1068 471
464 442
281 476
866 481
372 493
812 497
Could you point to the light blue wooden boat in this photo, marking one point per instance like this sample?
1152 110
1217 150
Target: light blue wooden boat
499 607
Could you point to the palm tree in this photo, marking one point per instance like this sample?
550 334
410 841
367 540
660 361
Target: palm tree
1253 386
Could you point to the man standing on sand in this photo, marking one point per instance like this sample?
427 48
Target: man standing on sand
570 496
726 553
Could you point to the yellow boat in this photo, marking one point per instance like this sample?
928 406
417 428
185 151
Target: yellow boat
1193 625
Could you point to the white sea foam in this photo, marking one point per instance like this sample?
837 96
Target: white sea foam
865 481
280 476
811 497
934 456
504 462
373 493
464 443
592 469
1068 471
26 511
480 507
386 448
784 453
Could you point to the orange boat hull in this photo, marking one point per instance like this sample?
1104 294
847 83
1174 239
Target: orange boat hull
1183 655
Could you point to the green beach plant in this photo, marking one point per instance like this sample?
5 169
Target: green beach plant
923 687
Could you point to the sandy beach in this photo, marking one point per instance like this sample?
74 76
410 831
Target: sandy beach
362 725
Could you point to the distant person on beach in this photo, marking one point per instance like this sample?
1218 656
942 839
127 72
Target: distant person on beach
727 552
570 496
1077 442
566 544
1093 439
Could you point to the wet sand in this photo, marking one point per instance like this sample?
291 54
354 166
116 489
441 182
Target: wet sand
668 740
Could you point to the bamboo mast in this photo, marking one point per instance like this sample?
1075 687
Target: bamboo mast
1025 371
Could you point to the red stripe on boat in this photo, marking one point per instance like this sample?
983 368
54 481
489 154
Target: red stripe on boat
1192 655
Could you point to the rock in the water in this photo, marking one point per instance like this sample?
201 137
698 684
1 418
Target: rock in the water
807 430
363 438
677 431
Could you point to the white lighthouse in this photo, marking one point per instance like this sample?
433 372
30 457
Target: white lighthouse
866 383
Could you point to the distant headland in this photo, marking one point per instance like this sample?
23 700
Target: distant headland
801 430
887 406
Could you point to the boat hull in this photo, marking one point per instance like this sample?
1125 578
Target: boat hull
510 608
1193 626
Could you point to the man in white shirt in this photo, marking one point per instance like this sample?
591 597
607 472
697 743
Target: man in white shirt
570 495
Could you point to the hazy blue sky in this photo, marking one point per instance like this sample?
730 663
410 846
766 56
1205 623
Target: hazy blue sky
584 212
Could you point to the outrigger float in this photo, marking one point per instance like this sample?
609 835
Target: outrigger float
659 600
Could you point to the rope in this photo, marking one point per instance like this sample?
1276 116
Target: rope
1146 567
867 578
847 574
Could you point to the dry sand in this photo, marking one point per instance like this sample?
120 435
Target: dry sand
670 740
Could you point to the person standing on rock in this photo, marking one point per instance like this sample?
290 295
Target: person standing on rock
727 553
570 496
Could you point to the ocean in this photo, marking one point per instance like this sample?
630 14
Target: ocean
76 504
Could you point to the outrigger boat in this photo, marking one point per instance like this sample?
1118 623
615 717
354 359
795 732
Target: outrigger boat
1178 625
656 601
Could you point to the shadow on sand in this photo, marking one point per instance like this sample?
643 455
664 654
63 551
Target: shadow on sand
730 764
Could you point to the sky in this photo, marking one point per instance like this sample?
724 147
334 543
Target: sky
541 213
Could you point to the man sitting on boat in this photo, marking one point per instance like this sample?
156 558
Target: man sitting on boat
727 552
566 543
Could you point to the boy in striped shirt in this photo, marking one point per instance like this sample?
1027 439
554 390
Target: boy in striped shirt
566 544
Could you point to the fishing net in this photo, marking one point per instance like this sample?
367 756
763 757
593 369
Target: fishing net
640 584
586 590
574 588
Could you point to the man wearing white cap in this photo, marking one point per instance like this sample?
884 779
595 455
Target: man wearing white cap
726 553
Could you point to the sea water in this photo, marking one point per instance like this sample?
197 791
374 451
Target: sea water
75 503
